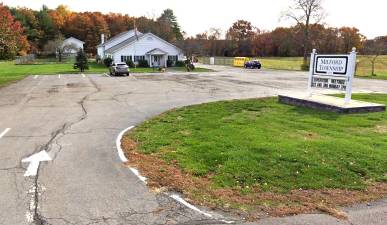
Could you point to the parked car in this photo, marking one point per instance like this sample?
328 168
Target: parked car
119 69
253 64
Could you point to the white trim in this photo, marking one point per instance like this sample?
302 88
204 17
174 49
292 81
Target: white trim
4 132
118 144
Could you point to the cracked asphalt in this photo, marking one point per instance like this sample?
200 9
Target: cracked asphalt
76 120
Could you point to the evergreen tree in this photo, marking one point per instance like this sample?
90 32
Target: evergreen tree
169 19
81 61
46 25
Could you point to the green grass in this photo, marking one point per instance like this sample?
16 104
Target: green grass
276 147
294 63
9 72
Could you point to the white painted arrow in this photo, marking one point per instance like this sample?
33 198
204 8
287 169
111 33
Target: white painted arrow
34 161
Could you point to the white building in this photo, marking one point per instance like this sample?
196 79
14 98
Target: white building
131 46
73 45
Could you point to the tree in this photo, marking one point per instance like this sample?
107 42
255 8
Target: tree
30 25
12 39
46 25
59 17
240 35
58 47
373 49
81 61
168 19
305 13
350 37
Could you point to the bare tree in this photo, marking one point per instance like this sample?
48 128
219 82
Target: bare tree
373 49
305 13
213 36
58 47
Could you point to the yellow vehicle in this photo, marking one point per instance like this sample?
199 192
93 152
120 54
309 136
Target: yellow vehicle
240 61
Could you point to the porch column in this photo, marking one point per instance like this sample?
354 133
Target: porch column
165 60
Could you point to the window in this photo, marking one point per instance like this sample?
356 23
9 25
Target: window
139 57
125 58
173 58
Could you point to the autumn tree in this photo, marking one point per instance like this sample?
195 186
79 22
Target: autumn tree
30 25
239 35
12 39
118 23
60 16
305 13
350 37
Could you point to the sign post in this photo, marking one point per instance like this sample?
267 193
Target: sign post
312 57
352 68
332 72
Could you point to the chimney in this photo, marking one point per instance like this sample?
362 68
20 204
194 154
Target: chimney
102 38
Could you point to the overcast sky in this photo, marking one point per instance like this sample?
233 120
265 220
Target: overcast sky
196 16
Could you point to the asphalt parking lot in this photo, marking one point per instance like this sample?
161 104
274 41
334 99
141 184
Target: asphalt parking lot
76 119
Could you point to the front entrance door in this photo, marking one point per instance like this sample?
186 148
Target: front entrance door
156 60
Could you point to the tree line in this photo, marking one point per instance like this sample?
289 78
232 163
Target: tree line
242 39
24 30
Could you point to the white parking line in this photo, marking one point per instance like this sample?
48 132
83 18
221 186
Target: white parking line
4 132
143 179
58 75
106 74
36 76
83 75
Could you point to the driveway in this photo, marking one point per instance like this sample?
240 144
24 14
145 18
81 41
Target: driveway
76 119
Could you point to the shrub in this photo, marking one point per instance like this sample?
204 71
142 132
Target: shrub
81 61
130 63
169 63
107 61
143 63
180 64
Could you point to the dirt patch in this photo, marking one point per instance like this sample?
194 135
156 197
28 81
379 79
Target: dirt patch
252 203
382 129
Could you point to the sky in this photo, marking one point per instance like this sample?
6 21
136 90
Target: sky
197 16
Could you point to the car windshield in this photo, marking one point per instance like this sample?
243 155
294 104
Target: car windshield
121 64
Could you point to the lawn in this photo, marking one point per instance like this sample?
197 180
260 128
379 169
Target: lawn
9 72
294 63
258 155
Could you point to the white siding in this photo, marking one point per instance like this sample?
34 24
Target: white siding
75 42
147 43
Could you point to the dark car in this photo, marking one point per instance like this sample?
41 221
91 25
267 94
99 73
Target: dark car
253 64
119 69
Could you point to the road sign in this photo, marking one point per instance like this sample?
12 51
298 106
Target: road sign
332 72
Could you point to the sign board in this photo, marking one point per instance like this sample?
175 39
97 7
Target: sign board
332 72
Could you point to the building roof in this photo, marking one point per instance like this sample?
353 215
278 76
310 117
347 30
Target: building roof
118 36
122 44
74 39
133 39
156 51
